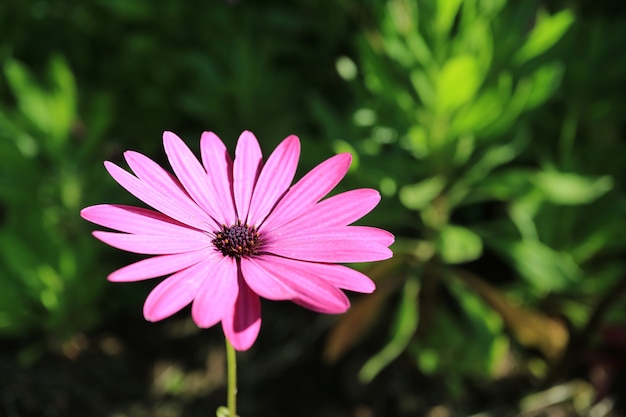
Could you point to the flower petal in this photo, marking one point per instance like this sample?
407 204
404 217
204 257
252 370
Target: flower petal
216 296
265 284
309 190
242 326
153 244
342 244
336 211
159 266
248 162
136 220
176 292
274 179
308 289
341 276
219 167
178 206
192 176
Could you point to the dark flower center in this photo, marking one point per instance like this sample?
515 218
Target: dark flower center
237 241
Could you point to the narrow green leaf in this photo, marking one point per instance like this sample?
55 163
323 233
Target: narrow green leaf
406 321
446 13
547 32
571 189
419 195
543 267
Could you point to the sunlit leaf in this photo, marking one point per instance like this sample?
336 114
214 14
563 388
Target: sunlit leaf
547 32
423 87
544 81
543 267
505 185
457 244
457 83
417 196
445 15
570 188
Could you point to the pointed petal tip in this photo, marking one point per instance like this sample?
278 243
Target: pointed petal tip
347 156
246 134
208 135
151 314
243 341
367 287
84 213
295 141
170 138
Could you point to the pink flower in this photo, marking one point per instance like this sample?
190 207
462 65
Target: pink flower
229 231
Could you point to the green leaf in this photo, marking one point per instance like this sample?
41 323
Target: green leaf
407 318
419 195
476 180
547 32
543 267
544 82
62 104
503 186
444 18
423 87
571 189
471 342
31 100
457 244
458 82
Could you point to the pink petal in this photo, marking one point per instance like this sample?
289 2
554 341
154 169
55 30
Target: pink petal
155 244
241 327
248 162
270 287
216 297
274 179
193 176
342 244
176 292
152 174
158 266
219 167
309 190
137 220
308 289
178 206
342 277
265 284
339 210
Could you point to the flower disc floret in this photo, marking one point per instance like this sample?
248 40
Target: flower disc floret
237 241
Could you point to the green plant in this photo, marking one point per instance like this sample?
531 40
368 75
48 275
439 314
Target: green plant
46 259
451 91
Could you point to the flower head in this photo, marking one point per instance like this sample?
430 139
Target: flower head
232 230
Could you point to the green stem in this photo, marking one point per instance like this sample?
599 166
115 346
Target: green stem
231 362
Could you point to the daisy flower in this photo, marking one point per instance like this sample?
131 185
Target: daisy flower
228 231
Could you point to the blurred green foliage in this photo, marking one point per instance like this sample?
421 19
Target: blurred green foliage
493 129
47 173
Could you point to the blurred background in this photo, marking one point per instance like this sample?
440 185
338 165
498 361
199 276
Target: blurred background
494 130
